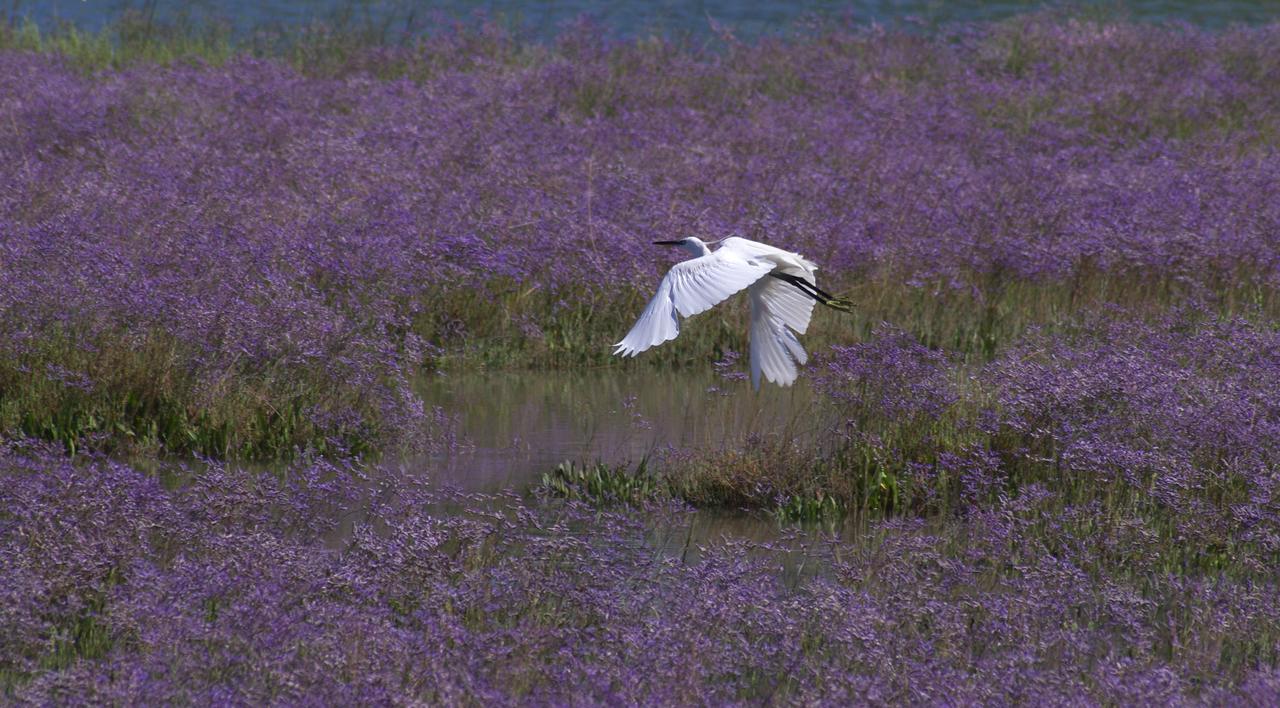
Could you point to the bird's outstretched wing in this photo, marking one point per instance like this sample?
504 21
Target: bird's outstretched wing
779 311
690 287
787 302
754 249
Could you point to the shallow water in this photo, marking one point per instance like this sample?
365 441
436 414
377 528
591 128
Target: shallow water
628 18
513 426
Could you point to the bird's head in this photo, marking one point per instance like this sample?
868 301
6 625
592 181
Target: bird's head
692 244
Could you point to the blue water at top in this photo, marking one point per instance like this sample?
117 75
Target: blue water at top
626 18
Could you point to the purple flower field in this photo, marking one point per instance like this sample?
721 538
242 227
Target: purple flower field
291 248
231 588
1054 471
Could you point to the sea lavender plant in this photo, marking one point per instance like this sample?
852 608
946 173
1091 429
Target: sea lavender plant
1060 476
335 582
291 247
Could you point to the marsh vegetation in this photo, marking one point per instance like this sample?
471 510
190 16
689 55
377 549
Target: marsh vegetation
1037 463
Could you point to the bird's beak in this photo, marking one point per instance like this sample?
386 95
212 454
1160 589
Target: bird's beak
668 243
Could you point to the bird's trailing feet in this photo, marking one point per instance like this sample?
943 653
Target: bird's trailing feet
815 292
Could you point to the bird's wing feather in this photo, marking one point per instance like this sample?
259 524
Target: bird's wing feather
787 302
657 324
754 249
775 351
690 287
699 284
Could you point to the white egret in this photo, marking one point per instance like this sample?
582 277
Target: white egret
780 284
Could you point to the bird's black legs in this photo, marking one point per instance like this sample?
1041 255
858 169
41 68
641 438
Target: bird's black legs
813 291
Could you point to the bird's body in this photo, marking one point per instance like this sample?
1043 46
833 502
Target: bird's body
780 284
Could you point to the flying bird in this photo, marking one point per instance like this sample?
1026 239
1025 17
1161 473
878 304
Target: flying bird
780 284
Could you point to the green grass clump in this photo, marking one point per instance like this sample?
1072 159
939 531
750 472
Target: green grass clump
603 484
610 485
134 38
121 395
507 325
819 508
801 483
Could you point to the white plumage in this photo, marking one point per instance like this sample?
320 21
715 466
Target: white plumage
780 309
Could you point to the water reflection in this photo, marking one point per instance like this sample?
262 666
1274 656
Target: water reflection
517 425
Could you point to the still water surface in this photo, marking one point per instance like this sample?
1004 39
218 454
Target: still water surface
627 18
513 426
